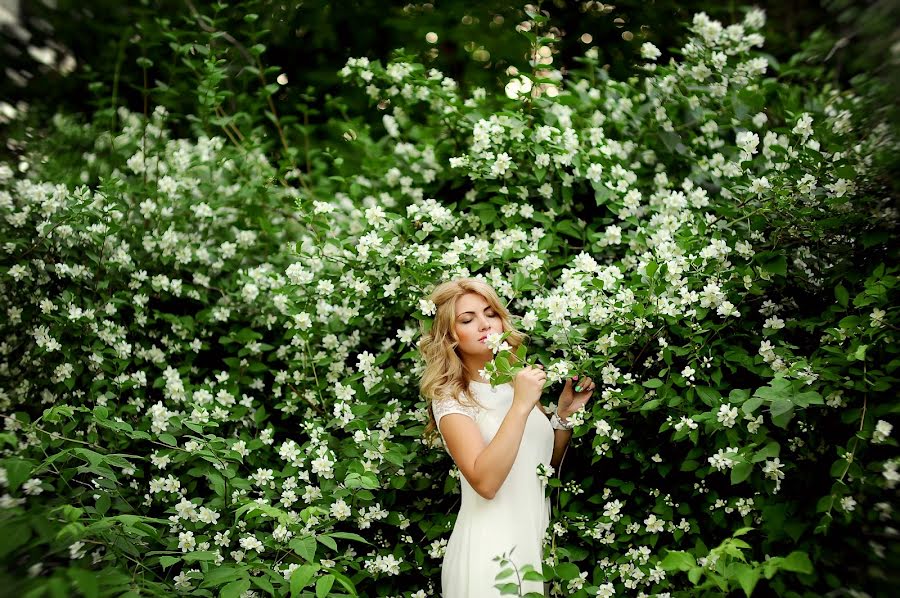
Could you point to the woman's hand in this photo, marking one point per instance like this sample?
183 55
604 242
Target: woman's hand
572 399
528 385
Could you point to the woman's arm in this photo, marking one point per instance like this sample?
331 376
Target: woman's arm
485 467
561 440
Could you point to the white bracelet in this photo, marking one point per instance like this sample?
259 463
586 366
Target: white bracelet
557 424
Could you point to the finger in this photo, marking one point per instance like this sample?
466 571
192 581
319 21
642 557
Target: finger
585 385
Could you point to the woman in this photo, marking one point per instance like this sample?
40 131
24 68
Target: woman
496 436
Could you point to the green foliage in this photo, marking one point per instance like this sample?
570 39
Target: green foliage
209 360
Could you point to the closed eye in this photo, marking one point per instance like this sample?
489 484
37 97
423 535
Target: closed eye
490 315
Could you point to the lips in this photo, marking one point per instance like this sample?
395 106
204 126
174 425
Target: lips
482 339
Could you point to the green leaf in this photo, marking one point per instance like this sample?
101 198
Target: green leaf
781 420
776 264
781 406
305 547
751 405
222 574
168 439
772 449
842 296
779 388
86 582
746 576
521 352
826 502
567 227
235 589
533 576
349 536
301 577
567 571
504 573
102 504
200 555
798 562
346 582
327 541
13 536
168 561
650 405
323 585
740 472
678 560
17 471
709 396
263 584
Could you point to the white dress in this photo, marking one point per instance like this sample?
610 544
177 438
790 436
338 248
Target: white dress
517 516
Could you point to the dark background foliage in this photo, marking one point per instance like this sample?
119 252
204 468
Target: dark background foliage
310 41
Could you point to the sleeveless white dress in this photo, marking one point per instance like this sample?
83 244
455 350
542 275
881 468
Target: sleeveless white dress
517 516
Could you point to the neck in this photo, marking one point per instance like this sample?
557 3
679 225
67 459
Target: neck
476 363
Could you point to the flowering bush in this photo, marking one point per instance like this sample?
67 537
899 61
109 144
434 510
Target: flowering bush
210 361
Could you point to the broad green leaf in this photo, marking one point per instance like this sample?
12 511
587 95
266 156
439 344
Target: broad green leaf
781 406
235 589
102 504
263 584
349 536
301 578
709 396
192 557
842 296
797 561
740 472
345 582
305 547
13 535
751 405
532 576
327 541
323 585
747 576
567 571
221 574
86 582
508 589
772 449
677 560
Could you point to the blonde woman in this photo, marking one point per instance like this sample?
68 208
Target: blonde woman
496 436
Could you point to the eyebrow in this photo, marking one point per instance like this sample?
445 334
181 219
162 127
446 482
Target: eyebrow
472 312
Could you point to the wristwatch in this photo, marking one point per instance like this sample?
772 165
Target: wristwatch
557 424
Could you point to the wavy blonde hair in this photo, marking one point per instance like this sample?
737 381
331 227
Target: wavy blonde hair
445 374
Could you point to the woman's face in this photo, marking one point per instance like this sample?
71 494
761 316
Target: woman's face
475 319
